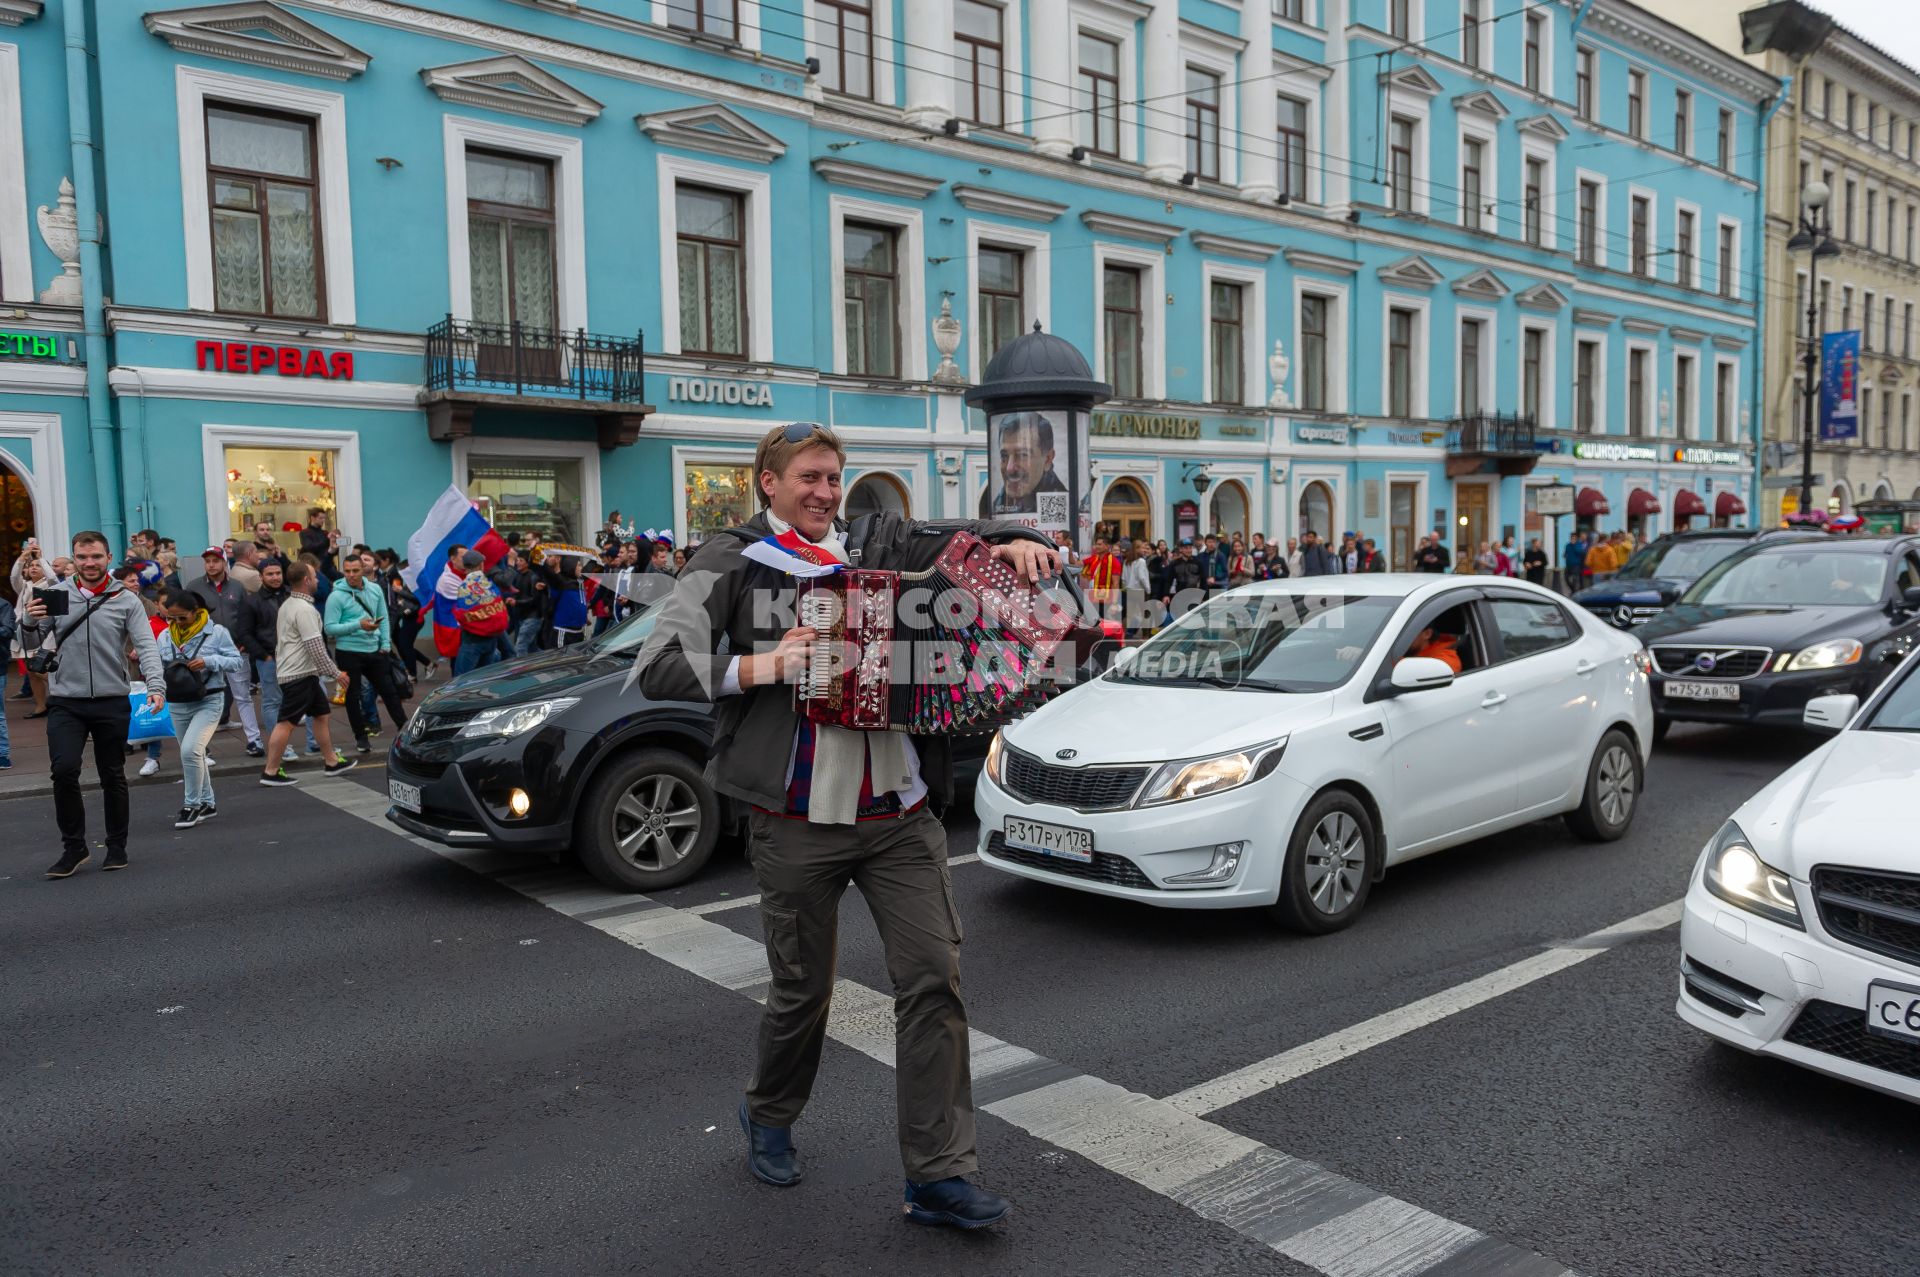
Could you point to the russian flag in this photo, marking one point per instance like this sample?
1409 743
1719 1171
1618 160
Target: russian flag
452 521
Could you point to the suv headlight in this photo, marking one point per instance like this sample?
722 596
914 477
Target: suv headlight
1737 875
1198 777
512 720
1827 655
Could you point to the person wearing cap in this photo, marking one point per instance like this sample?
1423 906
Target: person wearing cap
226 602
483 617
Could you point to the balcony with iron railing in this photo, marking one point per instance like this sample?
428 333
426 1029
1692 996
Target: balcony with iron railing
1501 442
515 367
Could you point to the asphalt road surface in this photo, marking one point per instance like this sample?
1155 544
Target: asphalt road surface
295 1041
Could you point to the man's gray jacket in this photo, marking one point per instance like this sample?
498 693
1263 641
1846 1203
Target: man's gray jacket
226 603
726 605
93 653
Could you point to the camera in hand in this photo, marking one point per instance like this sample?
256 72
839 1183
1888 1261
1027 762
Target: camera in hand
55 600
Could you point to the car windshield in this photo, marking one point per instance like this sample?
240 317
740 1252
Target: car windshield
1793 576
626 637
1681 560
1900 712
1272 641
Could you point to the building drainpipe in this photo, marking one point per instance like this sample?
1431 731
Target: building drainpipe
100 424
1758 252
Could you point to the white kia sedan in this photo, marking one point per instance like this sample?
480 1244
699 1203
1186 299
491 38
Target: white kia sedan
1284 743
1801 937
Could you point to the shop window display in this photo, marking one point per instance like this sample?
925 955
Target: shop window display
718 497
279 484
535 497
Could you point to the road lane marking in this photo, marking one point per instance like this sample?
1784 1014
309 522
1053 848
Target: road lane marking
1296 1208
1277 1070
742 902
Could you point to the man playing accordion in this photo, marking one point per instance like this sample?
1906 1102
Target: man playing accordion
831 806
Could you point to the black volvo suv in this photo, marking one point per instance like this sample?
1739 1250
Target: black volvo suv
1658 573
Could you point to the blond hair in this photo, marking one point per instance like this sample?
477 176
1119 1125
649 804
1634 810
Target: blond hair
776 452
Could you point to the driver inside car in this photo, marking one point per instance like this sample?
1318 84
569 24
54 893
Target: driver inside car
1438 647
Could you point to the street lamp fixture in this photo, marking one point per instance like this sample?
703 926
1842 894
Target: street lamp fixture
1815 232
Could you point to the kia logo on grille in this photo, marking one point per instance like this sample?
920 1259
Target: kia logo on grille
1705 662
1064 754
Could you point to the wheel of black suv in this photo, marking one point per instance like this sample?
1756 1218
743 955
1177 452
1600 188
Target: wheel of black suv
1613 790
1329 867
647 822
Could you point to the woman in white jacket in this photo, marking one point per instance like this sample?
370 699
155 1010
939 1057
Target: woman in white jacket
195 641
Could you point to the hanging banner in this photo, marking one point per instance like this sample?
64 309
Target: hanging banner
1840 385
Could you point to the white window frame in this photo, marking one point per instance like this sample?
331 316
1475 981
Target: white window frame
1489 322
1422 361
1215 61
1117 24
585 451
1653 230
1301 476
462 132
907 469
1337 377
1549 383
702 454
1253 329
1603 256
1416 108
1153 319
1036 281
1732 434
1600 422
1487 133
1484 36
758 189
1650 392
1681 429
1013 76
1309 89
1720 224
192 87
881 37
1416 23
1646 104
44 471
746 21
1684 206
1549 191
909 266
349 510
1549 54
16 235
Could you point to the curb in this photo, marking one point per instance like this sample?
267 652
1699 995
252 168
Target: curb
21 782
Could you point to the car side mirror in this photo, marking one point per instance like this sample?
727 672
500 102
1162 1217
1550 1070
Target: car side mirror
1419 674
1910 599
1830 713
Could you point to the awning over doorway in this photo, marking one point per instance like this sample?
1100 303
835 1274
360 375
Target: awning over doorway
1641 502
1727 505
1591 503
1687 504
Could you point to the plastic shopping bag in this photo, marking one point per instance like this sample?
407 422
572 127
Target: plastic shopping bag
144 726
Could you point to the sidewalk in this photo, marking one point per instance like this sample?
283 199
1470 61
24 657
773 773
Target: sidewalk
30 773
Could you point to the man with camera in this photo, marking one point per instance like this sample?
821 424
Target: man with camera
94 621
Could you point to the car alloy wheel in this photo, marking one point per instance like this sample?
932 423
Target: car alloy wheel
1617 785
1611 793
1336 863
656 822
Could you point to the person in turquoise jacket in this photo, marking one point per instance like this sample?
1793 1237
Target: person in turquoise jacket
193 639
356 621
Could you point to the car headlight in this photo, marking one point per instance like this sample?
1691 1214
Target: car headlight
1827 655
993 759
1737 875
1197 777
512 720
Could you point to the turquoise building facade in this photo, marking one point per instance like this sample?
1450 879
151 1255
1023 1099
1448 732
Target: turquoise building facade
1370 265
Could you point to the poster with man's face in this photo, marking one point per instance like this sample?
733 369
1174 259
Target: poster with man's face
1039 474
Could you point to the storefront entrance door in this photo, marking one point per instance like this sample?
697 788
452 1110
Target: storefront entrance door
16 524
1470 517
1402 518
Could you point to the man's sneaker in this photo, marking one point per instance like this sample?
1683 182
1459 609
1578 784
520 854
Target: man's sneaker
256 750
68 862
771 1157
313 749
187 819
362 746
344 765
277 778
150 768
207 812
373 733
116 858
953 1203
5 762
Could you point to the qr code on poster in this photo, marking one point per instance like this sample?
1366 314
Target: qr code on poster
1052 507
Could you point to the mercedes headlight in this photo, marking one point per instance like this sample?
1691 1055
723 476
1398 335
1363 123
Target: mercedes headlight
512 720
1737 875
993 759
1827 655
1198 777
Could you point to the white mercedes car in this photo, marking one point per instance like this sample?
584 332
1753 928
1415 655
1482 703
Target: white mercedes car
1801 937
1284 743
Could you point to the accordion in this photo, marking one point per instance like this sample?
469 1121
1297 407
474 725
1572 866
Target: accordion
955 650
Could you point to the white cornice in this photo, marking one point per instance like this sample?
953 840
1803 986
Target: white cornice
1630 23
1481 284
1723 342
1411 272
1481 102
1678 333
1287 64
1636 324
1415 79
43 378
1218 43
714 129
1130 227
1304 259
512 84
882 181
15 12
1542 297
1592 318
1547 126
984 199
204 325
227 31
183 383
1226 246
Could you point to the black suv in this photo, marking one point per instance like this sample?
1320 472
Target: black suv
1658 573
1770 628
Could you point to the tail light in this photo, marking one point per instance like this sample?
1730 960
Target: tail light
1643 661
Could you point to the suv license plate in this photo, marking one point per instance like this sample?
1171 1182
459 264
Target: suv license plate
404 796
1703 691
1050 840
1893 1010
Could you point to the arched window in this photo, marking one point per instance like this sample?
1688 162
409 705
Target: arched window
1316 510
1230 508
877 493
1883 491
1126 508
1840 501
16 518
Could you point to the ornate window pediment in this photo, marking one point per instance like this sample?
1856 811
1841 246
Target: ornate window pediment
15 12
1411 272
1546 126
1481 102
714 129
512 84
1417 80
259 32
1542 297
1483 285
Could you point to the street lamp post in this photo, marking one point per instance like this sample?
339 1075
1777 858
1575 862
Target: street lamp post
1815 233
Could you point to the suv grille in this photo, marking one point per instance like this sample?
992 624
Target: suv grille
1081 788
1115 870
1626 615
1879 912
427 729
1831 1029
1722 662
